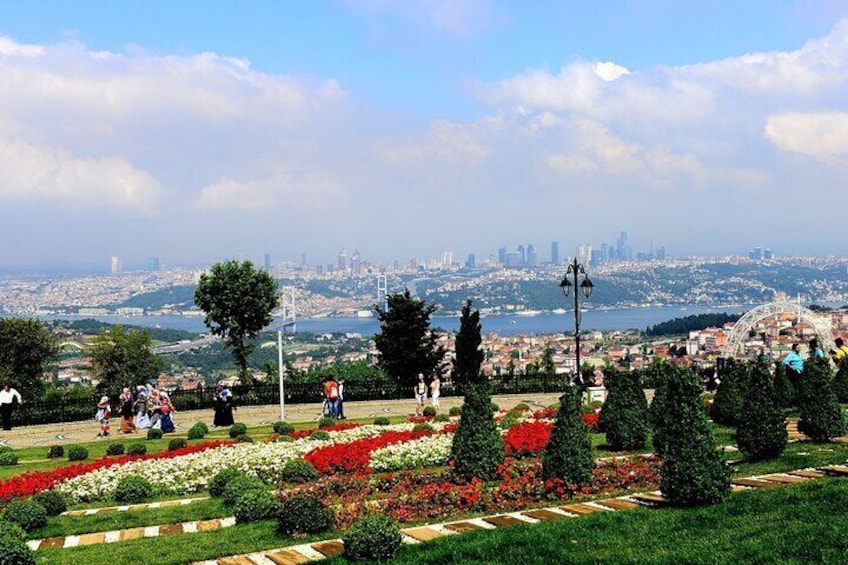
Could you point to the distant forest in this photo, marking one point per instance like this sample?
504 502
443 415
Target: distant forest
691 323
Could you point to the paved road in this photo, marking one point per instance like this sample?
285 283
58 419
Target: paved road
76 432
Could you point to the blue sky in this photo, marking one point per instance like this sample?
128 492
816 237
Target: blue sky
196 130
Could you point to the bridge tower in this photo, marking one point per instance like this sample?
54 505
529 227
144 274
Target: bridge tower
383 291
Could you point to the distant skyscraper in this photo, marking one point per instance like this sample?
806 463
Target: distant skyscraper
605 253
355 265
302 261
513 259
622 247
502 255
595 259
342 260
768 255
471 262
523 256
153 264
532 260
115 265
447 259
756 254
268 261
555 253
660 254
584 254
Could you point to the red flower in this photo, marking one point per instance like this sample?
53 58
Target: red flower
527 438
355 455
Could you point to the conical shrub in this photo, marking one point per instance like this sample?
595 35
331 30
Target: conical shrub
729 399
624 416
784 392
840 383
821 416
478 447
693 471
568 455
762 432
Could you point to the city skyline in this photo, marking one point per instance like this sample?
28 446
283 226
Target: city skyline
189 133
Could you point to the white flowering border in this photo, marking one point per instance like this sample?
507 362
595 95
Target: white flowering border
188 474
428 451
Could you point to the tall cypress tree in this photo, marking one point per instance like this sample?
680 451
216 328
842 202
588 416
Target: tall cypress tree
693 470
784 392
762 432
568 455
821 416
729 400
469 356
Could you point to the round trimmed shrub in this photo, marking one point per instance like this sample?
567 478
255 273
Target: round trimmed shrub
137 449
8 458
237 430
55 452
133 489
495 407
285 439
520 408
422 428
238 487
27 514
176 443
381 421
115 449
10 530
373 538
198 431
442 418
429 411
53 502
283 428
253 506
509 420
298 471
244 438
320 435
220 481
303 514
77 453
15 552
326 422
455 411
154 433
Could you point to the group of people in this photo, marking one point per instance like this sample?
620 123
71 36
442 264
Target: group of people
149 408
333 405
794 363
422 387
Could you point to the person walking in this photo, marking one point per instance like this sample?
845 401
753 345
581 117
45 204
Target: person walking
340 403
840 354
167 408
104 412
142 418
9 397
223 407
435 391
331 392
420 394
127 406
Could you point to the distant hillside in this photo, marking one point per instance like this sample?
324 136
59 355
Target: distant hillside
691 323
182 297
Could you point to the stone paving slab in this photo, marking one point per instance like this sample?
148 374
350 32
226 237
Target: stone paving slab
839 470
807 473
462 527
504 521
789 480
754 483
580 509
287 557
424 533
544 515
329 548
617 504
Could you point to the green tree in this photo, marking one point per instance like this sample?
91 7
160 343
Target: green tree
729 400
237 299
568 455
406 343
477 447
469 356
783 389
120 358
624 416
548 365
762 432
821 417
26 349
693 470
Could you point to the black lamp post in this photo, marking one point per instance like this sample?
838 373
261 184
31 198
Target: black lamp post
586 286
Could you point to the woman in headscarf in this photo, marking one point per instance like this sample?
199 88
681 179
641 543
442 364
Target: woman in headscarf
167 410
223 407
142 420
127 405
155 406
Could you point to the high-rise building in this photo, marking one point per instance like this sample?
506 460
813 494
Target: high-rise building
622 248
502 255
523 255
355 264
447 259
153 264
756 254
555 253
595 259
532 259
768 255
513 259
660 254
302 261
471 262
342 260
605 253
268 261
115 265
584 254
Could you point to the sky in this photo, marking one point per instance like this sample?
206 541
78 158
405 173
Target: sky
195 131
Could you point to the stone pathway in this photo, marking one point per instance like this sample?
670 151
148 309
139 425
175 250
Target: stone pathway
127 508
304 553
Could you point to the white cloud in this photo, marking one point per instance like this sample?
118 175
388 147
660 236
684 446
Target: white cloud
609 71
49 175
822 135
293 192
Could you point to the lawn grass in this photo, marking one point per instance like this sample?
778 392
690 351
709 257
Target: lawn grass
103 522
788 525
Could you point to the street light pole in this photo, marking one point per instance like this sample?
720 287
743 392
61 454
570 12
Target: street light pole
280 373
575 269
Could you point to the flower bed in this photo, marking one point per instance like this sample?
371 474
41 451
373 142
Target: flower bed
356 455
421 495
527 438
429 451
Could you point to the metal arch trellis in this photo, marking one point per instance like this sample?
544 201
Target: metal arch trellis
747 322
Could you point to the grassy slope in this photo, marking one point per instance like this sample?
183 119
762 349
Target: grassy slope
787 525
